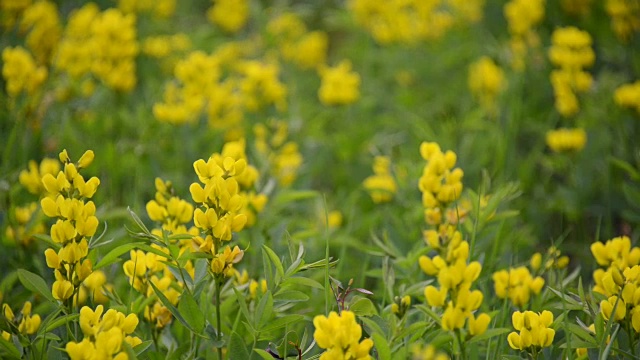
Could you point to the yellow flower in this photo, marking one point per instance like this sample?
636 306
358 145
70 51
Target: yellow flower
42 21
230 15
517 284
533 330
606 306
566 140
624 17
486 81
20 72
571 52
616 252
32 179
381 186
478 325
340 336
62 290
103 334
340 85
428 352
628 95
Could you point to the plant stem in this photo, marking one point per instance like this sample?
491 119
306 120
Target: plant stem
218 320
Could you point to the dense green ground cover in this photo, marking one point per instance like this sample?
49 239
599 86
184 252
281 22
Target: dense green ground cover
336 180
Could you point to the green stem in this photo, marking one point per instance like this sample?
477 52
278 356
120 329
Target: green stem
463 351
218 320
631 334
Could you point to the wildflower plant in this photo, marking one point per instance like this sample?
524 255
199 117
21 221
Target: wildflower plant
75 225
217 264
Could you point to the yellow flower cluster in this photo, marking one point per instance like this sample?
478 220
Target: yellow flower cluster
144 268
31 179
517 284
10 11
247 86
440 183
76 222
381 186
296 44
255 286
159 8
401 305
23 224
95 286
26 324
339 84
260 85
271 141
522 17
620 283
24 228
104 335
455 277
625 17
254 202
168 209
43 24
534 330
115 37
21 73
554 260
340 336
220 203
428 352
570 51
402 21
486 81
101 43
230 15
566 140
628 95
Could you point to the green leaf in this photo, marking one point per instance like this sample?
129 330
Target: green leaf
429 313
243 305
275 260
290 295
625 166
282 322
371 326
569 300
582 333
138 222
237 348
489 334
35 283
48 240
114 255
381 344
287 196
264 310
7 349
176 313
607 350
153 250
265 355
60 321
296 281
189 308
363 307
142 347
577 343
